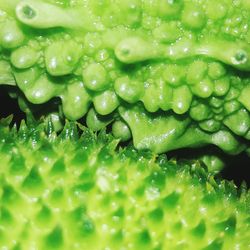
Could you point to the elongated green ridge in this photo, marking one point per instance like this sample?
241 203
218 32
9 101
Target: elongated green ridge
183 63
79 191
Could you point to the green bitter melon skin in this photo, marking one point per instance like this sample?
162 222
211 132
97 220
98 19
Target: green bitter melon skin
72 191
181 60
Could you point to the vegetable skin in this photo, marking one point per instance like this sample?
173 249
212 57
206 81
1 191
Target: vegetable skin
182 60
70 192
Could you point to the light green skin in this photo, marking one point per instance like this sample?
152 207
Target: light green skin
182 60
66 192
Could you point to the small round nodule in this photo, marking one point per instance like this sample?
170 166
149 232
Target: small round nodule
24 57
193 17
121 131
95 77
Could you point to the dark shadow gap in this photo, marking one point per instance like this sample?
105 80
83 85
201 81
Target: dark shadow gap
9 106
236 166
237 169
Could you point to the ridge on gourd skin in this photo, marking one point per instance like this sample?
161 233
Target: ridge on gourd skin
72 191
193 18
166 132
184 57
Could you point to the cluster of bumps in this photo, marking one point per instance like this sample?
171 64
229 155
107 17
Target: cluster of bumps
165 75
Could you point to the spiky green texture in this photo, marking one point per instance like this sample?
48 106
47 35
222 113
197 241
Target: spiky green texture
187 62
70 192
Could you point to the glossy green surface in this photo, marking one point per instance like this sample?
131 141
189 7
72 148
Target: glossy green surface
181 60
81 192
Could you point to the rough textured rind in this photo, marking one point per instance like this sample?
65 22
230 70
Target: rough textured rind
186 58
70 192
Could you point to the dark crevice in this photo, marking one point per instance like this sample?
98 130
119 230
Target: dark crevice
237 169
9 106
236 166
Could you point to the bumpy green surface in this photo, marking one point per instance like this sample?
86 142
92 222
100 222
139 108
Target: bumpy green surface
187 62
70 192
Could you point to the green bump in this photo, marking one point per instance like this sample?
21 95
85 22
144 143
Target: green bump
121 131
196 72
169 8
238 122
55 239
210 125
143 238
214 162
11 35
44 217
167 32
193 16
216 103
217 244
18 165
244 97
96 121
43 90
133 10
203 88
79 158
221 86
200 230
95 77
150 98
56 198
200 112
25 78
75 96
215 9
216 70
182 98
128 89
6 218
228 226
87 227
9 196
119 213
106 102
24 57
33 183
36 87
232 94
156 215
174 74
62 57
58 168
171 200
92 42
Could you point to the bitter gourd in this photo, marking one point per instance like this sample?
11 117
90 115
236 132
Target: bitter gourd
82 192
170 74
